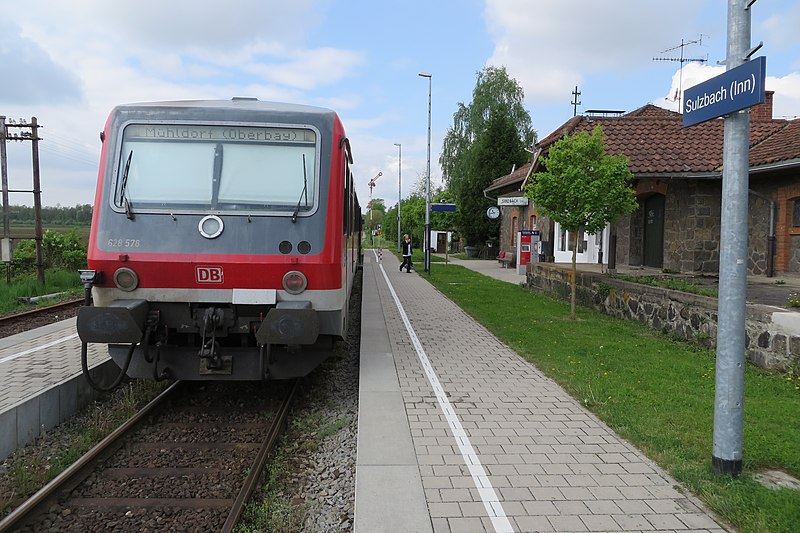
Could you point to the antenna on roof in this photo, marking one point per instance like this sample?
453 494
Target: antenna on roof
575 102
682 59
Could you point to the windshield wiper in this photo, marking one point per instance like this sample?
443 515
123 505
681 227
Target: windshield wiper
122 196
303 193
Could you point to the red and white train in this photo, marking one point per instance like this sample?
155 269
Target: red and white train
225 238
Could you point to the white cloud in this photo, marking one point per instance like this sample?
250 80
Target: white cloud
782 28
688 76
549 46
307 69
31 74
74 61
786 102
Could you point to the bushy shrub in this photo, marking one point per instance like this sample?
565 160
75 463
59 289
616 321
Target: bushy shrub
64 250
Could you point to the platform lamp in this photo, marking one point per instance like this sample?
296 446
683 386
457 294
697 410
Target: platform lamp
399 193
428 182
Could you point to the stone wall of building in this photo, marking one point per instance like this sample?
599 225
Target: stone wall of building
622 230
692 223
635 251
691 226
772 337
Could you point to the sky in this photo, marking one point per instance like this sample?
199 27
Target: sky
69 63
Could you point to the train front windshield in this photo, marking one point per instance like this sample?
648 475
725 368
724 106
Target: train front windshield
180 167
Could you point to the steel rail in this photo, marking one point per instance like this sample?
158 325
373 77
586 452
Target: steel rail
81 466
254 475
37 310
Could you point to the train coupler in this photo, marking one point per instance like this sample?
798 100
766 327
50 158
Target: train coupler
211 360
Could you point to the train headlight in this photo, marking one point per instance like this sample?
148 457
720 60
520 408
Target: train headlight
294 282
126 279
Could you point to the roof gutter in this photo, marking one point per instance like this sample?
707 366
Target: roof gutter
680 175
776 166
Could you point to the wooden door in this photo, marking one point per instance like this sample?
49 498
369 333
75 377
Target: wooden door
654 231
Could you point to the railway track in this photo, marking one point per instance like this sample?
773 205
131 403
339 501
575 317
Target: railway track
190 460
38 316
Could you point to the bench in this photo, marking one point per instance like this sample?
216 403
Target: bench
506 259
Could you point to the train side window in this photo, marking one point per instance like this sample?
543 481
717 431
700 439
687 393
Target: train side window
347 189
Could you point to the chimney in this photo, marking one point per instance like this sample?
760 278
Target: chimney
763 112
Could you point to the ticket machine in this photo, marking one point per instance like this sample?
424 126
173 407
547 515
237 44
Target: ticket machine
528 249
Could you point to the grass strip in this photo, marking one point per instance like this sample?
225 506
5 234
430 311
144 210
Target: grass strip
27 285
653 390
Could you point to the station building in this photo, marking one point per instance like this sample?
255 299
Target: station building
678 184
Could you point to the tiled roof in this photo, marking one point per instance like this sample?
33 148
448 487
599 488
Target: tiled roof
656 143
783 145
517 176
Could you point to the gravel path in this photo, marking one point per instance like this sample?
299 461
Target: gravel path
323 482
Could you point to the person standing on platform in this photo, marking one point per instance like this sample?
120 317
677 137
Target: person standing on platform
406 249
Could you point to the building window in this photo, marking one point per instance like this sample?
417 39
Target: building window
513 229
533 221
796 213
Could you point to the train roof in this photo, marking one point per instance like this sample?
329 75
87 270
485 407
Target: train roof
237 103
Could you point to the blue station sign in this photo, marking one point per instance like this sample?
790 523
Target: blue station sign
736 89
444 207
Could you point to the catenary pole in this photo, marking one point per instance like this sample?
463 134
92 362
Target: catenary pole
729 389
37 201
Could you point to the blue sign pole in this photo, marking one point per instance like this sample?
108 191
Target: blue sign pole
727 453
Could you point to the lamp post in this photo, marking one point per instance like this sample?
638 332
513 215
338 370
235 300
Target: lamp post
399 193
428 182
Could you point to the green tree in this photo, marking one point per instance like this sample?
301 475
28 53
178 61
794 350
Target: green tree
487 139
376 211
582 189
80 215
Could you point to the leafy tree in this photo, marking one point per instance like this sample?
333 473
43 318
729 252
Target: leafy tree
376 211
412 216
582 189
488 137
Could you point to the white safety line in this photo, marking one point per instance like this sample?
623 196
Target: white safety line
37 348
488 495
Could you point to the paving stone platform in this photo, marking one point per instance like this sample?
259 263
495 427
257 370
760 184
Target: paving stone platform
41 383
457 433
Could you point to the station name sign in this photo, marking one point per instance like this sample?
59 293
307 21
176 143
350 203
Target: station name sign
442 207
513 200
735 89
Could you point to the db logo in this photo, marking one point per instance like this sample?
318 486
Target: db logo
209 274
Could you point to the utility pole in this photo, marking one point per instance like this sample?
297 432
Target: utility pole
575 102
729 387
33 136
